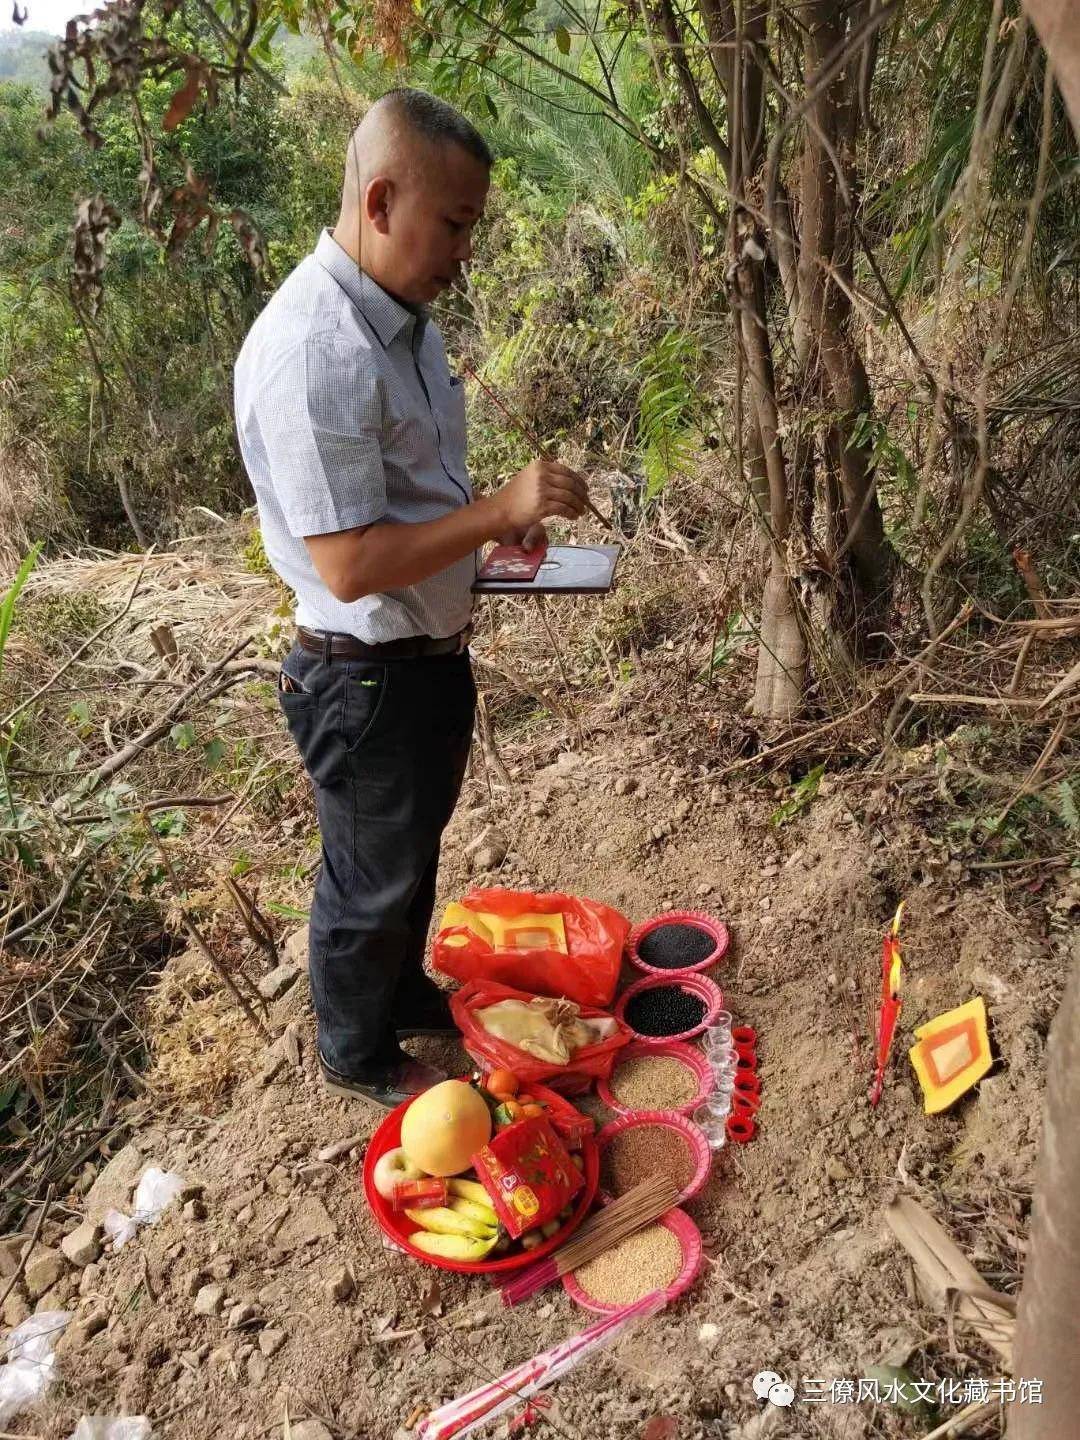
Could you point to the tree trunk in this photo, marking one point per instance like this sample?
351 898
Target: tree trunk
781 667
1048 1328
1048 1323
781 664
834 364
141 537
1059 30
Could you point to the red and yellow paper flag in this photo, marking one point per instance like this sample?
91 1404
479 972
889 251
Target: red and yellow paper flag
891 1003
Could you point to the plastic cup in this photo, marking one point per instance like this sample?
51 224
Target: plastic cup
718 1046
713 1127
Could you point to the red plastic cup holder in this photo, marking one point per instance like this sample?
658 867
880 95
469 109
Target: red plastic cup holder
744 1035
740 1128
747 1082
745 1062
745 1103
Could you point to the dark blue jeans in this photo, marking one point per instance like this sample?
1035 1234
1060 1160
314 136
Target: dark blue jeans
386 746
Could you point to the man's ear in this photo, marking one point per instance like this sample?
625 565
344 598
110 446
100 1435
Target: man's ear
378 198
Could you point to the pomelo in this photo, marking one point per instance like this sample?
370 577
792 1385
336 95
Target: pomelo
444 1127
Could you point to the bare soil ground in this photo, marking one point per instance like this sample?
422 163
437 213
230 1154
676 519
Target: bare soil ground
802 1276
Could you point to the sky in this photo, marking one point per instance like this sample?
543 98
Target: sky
50 15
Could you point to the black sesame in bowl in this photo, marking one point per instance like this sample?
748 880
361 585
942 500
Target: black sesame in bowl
676 946
664 1010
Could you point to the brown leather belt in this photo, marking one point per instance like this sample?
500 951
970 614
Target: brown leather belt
346 647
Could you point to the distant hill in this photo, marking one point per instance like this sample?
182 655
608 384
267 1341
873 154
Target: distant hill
296 50
22 57
22 54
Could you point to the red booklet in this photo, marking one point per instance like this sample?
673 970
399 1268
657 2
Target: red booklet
511 562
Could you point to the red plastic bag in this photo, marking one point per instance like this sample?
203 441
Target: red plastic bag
595 937
591 1062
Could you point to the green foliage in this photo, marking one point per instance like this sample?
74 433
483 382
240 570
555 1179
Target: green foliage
254 553
668 404
802 793
157 415
11 595
733 637
1063 801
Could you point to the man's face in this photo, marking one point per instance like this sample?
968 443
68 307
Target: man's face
430 221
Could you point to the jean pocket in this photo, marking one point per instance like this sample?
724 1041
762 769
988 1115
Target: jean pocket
366 687
292 694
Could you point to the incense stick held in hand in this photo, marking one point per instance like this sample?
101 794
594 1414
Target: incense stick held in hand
647 1201
519 424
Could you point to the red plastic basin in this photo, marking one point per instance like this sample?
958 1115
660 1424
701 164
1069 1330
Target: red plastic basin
398 1227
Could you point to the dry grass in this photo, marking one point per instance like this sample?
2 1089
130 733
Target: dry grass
200 1042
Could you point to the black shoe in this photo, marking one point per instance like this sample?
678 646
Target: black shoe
401 1080
429 1016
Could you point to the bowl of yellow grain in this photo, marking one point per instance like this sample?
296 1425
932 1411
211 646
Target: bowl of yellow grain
674 1076
665 1255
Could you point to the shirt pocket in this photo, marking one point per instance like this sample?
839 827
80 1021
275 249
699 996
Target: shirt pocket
452 432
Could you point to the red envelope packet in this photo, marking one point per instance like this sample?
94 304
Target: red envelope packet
511 562
528 1173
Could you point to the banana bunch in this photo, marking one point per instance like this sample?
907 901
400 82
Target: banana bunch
470 1190
453 1247
466 1229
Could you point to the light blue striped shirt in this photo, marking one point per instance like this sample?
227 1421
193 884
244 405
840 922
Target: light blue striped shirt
346 414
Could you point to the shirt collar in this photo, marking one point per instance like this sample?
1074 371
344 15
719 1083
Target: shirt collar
385 315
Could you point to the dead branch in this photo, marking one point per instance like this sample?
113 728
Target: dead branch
161 727
29 1248
82 649
168 802
796 741
258 930
988 702
29 926
535 692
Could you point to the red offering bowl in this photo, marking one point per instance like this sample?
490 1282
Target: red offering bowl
688 1236
688 1055
398 1227
692 1134
715 929
694 984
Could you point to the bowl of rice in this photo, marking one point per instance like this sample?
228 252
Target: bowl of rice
672 1076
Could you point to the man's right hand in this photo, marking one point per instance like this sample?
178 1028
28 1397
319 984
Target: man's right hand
543 489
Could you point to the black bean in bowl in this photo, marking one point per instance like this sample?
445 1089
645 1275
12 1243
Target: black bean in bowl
676 946
664 1010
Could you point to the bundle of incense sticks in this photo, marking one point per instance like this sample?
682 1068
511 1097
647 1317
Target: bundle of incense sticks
647 1201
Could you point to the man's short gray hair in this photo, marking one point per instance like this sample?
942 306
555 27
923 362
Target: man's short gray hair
435 120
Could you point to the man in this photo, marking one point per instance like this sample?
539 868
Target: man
352 430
